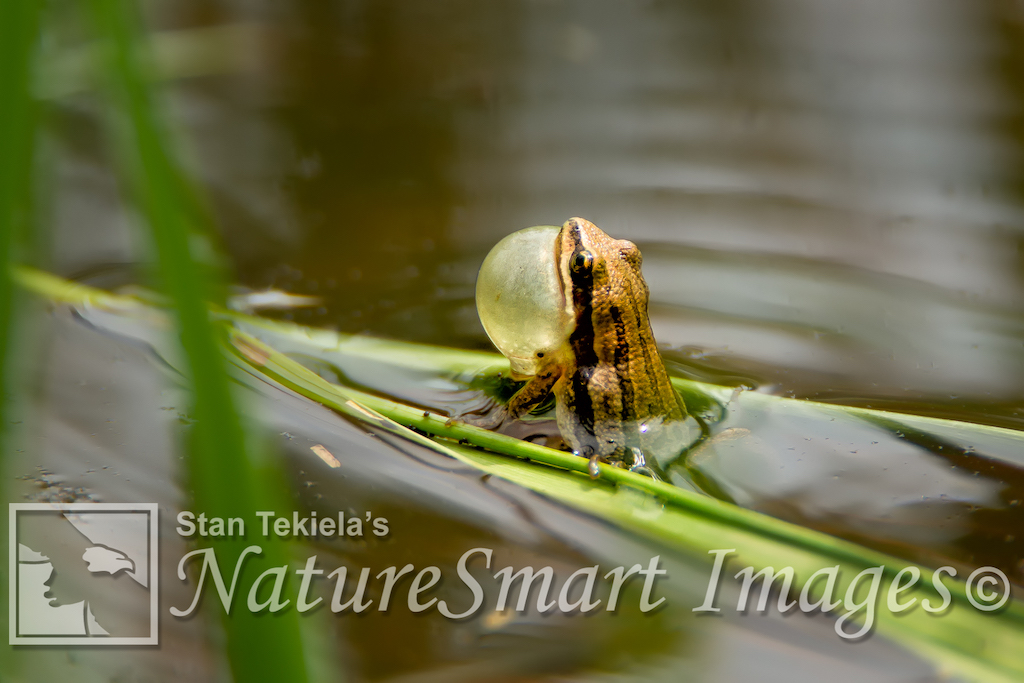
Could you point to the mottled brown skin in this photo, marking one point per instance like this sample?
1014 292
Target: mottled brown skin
608 379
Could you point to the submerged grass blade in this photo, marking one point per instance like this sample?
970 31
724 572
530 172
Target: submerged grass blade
228 479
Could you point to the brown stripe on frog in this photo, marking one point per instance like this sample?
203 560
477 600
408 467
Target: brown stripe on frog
600 346
581 342
629 429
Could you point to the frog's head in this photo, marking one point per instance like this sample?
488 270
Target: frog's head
594 266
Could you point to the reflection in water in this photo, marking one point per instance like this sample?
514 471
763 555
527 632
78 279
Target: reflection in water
936 494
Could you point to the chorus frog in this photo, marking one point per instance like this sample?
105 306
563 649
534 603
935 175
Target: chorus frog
568 307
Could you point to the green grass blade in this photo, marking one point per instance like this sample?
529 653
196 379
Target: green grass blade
19 38
227 480
19 34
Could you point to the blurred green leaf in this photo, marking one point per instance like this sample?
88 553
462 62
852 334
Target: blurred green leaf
19 37
229 475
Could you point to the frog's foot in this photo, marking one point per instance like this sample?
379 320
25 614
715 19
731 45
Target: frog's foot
615 460
640 465
639 461
490 416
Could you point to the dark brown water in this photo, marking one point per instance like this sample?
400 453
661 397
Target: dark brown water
825 193
828 197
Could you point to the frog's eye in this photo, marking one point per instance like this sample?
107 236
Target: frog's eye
582 263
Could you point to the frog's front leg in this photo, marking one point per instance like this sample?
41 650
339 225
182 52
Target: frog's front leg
534 392
522 402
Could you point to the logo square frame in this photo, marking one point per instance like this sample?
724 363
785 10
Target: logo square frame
151 510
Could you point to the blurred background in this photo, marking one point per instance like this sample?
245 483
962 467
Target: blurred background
828 194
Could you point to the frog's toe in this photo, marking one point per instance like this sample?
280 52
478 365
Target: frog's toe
491 416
